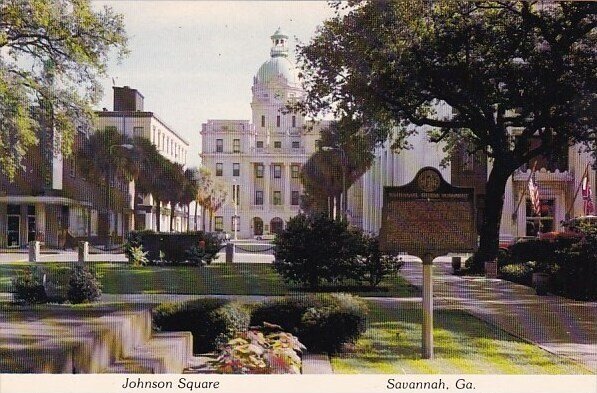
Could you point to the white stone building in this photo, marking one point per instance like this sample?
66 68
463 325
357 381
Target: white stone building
130 119
558 184
259 160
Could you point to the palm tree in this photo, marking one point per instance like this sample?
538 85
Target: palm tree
153 175
103 160
190 193
217 198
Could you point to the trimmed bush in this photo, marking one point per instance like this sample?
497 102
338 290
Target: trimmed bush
174 248
576 268
211 321
519 273
322 323
27 287
83 286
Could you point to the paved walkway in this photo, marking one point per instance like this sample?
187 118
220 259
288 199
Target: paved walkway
562 326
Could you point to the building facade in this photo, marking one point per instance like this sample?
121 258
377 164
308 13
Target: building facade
51 201
130 119
259 160
558 182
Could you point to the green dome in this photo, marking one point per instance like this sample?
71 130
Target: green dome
275 67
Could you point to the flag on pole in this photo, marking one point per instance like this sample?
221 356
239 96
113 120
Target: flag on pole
534 194
587 195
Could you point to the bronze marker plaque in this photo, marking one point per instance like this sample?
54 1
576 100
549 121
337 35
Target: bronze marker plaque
428 216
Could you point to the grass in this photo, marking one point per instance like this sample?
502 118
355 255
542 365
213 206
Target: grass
463 344
216 279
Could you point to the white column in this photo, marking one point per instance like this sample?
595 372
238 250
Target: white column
286 197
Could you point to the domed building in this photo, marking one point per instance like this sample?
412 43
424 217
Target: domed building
259 160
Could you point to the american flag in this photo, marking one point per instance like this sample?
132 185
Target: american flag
587 195
534 193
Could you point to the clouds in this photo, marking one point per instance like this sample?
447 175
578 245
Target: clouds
196 60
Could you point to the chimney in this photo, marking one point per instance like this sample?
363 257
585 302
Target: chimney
127 99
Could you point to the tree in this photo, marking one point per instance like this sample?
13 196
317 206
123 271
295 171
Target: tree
104 162
502 66
191 188
152 179
205 183
216 199
349 155
52 53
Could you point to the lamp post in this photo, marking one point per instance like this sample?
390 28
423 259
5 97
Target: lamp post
343 163
126 146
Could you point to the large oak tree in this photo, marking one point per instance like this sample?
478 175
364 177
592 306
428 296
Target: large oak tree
512 71
52 53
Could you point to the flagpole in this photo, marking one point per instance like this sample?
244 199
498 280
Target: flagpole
586 173
524 192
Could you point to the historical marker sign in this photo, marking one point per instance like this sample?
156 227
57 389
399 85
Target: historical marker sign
428 216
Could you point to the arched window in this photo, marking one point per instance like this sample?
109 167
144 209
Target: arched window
276 225
257 226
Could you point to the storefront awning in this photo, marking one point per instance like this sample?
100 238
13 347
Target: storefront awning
47 200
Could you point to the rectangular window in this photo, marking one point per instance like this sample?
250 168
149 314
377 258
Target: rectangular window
219 169
295 198
259 170
219 223
318 144
236 146
544 222
259 197
236 169
219 145
296 144
277 171
277 198
262 120
259 144
277 145
278 121
73 164
294 121
235 220
137 132
294 170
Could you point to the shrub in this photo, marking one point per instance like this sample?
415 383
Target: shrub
137 257
287 312
577 267
254 352
83 286
519 273
228 320
211 321
27 287
322 323
341 320
300 257
175 248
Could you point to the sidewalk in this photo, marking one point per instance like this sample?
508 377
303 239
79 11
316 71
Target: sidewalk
561 326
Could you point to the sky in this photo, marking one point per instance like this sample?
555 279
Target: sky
195 60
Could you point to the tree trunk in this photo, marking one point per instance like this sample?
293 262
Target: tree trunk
195 216
203 216
490 230
211 216
158 214
171 215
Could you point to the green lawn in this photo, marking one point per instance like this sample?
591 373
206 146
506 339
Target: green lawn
463 345
236 279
